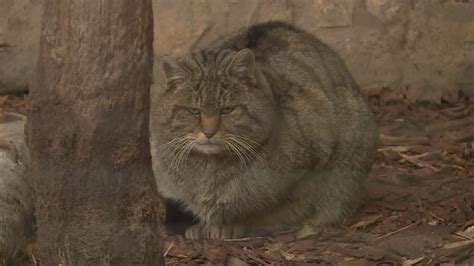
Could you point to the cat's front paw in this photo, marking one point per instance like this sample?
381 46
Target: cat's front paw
215 232
194 232
225 232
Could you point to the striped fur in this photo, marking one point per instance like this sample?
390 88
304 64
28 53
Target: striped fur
307 138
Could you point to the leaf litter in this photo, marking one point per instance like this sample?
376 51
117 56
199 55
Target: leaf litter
418 207
419 203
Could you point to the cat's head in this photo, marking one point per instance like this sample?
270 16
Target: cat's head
214 103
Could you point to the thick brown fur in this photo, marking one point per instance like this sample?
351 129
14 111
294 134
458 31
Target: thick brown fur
299 137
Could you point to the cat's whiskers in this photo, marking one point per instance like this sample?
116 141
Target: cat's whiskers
238 153
244 149
247 148
253 142
183 155
177 150
245 152
252 150
179 156
174 143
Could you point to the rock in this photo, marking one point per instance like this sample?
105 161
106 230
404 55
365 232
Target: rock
234 261
335 13
20 22
422 50
395 46
16 203
385 10
199 22
13 131
435 47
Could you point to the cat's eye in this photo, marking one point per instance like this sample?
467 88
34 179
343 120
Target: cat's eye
227 110
194 111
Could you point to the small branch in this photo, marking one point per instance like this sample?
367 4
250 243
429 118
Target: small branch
396 231
397 141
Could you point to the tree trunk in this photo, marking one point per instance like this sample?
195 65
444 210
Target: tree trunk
96 200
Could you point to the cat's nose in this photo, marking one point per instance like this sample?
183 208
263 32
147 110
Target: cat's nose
209 134
209 125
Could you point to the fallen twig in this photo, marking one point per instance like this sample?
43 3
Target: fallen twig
168 249
458 244
395 232
412 261
397 141
414 160
365 222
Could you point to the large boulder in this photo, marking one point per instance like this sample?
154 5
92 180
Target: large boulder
20 24
16 201
422 50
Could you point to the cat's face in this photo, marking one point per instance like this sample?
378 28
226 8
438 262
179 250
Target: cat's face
213 104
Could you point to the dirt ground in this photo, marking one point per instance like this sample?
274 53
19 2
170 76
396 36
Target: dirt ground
418 207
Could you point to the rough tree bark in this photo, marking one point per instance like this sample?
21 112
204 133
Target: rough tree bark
87 130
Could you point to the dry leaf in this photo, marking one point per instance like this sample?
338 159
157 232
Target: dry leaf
363 223
458 244
234 261
305 231
168 249
414 160
3 99
287 255
395 148
468 233
470 229
412 261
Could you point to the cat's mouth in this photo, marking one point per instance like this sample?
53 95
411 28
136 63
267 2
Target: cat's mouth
209 146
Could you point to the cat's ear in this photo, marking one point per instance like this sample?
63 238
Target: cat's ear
174 71
242 65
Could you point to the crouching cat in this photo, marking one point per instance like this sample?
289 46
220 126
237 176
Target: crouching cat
265 128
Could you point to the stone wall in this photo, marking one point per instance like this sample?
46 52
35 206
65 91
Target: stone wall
419 49
20 23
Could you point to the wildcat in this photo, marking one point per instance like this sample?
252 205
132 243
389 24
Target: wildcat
265 128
